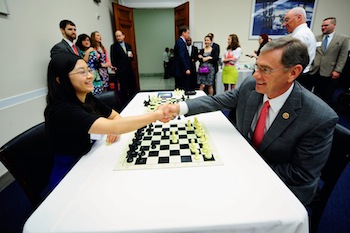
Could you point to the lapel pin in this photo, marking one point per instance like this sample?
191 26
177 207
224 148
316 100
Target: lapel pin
285 115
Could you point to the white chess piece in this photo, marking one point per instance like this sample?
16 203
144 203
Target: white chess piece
173 137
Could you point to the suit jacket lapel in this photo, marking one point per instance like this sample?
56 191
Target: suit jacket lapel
333 42
253 102
121 50
285 117
69 48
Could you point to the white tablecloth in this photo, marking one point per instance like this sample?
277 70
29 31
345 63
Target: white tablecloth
242 195
243 73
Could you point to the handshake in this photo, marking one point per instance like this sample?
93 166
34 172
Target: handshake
167 112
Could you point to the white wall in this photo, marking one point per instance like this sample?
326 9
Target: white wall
27 35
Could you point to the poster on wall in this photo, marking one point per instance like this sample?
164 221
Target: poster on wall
268 16
4 10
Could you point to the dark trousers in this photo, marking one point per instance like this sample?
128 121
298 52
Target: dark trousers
166 70
325 87
183 82
307 80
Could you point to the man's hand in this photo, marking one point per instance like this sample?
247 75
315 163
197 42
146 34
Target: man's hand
163 116
170 111
335 75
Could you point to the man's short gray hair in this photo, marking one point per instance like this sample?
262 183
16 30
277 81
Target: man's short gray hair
301 11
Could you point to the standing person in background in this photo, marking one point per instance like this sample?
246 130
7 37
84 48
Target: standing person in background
330 59
231 62
216 65
166 63
92 58
217 48
121 58
182 60
263 39
207 59
96 42
193 53
67 45
295 23
171 63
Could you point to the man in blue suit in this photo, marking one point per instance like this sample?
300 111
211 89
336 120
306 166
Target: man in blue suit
298 130
69 34
182 60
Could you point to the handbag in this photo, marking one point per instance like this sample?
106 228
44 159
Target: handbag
203 70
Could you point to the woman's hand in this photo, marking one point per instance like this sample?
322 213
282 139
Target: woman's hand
112 138
89 50
164 114
107 64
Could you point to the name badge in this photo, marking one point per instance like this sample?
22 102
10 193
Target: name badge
318 44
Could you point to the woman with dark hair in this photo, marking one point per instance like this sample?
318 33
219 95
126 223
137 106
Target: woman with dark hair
263 39
96 42
231 61
90 55
72 114
207 58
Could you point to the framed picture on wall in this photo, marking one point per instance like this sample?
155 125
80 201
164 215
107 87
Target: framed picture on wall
198 44
4 10
268 16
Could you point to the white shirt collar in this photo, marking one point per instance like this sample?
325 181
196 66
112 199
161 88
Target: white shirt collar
330 36
277 103
69 42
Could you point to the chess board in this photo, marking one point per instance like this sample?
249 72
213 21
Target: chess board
169 145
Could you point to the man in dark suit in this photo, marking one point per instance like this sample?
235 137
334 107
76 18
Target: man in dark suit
298 131
121 58
330 59
193 53
69 34
216 47
182 63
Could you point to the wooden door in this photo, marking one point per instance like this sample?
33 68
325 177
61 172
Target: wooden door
182 17
124 21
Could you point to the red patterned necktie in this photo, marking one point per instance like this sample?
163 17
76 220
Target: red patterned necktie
75 49
260 125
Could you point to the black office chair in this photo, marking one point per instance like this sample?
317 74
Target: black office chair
29 159
111 99
339 158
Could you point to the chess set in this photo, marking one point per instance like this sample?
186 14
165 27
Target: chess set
169 145
154 101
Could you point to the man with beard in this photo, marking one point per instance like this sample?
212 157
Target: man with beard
68 31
